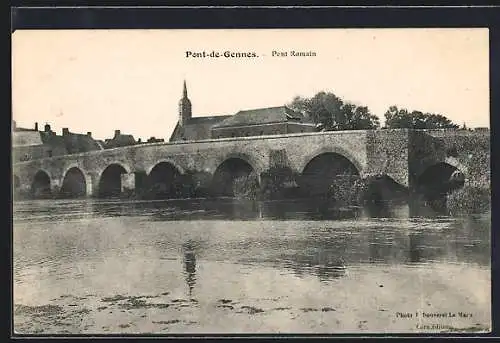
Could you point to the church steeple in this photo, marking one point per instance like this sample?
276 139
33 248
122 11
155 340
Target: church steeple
184 107
184 90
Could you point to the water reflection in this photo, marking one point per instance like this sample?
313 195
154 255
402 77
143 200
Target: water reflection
229 209
252 265
320 253
249 256
326 265
378 209
415 247
379 251
286 235
189 259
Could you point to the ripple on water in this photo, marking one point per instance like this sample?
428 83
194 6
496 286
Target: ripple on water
155 269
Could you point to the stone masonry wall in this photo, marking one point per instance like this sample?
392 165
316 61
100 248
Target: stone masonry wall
470 152
204 156
388 154
372 152
424 151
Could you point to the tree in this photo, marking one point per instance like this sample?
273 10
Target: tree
396 118
335 114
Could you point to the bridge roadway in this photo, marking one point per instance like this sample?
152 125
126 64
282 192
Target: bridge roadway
401 154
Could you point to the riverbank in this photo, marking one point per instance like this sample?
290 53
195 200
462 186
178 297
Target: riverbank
367 300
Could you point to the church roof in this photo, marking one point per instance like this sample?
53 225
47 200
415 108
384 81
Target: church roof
198 128
258 116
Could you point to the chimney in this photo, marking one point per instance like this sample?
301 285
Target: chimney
117 133
14 125
47 128
89 134
36 126
65 131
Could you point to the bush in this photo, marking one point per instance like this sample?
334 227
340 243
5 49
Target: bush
345 190
246 186
469 200
277 183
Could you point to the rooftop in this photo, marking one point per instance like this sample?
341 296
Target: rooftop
26 138
68 142
258 116
198 128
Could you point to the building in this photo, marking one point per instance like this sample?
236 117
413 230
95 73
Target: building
119 140
29 144
189 128
155 140
254 122
482 129
262 121
77 143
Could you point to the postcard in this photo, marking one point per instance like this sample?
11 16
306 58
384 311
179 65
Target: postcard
251 181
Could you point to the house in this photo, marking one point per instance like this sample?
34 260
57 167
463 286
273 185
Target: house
29 144
119 140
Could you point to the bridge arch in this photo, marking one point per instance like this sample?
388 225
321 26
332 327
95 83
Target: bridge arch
169 161
121 164
41 184
329 171
256 165
331 150
236 175
164 180
74 165
440 178
110 179
74 183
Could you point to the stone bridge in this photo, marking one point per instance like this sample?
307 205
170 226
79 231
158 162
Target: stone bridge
401 155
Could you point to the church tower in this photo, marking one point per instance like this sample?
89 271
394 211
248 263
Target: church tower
184 107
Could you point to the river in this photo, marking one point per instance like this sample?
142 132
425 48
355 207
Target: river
227 266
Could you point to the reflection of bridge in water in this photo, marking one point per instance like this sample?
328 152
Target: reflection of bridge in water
329 250
326 249
390 161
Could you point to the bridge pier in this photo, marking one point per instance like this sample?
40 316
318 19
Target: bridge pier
23 188
93 191
55 186
127 183
89 187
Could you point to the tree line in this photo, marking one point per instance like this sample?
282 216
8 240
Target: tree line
332 113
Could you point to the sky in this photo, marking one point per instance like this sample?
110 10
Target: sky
131 80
